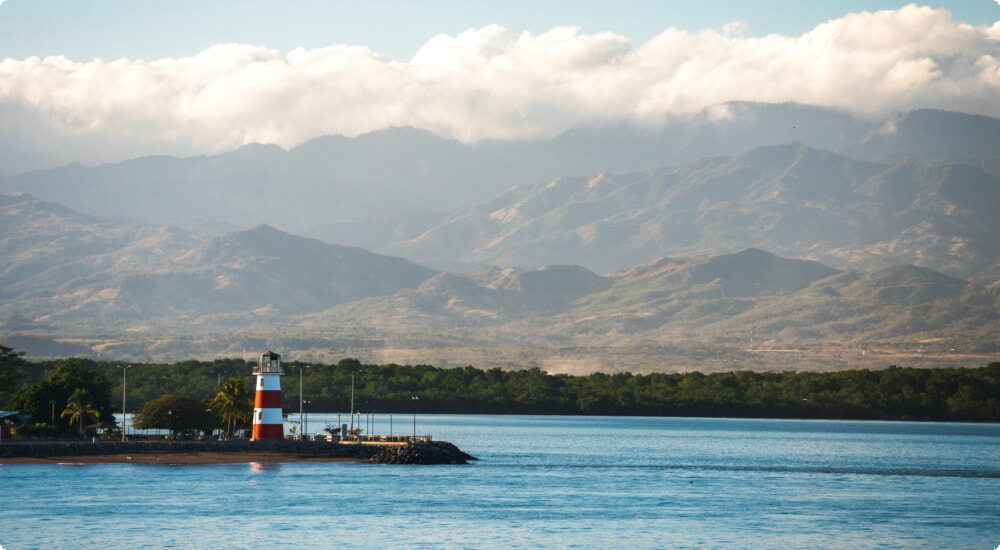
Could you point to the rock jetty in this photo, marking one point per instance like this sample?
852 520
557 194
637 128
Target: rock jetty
430 452
236 450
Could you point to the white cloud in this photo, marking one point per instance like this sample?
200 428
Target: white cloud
736 28
488 83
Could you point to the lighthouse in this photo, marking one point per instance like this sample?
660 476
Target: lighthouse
267 420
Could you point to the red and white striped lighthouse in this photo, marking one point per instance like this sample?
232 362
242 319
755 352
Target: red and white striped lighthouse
267 419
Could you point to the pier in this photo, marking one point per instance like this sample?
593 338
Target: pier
232 451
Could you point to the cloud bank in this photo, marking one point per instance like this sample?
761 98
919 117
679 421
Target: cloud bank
484 83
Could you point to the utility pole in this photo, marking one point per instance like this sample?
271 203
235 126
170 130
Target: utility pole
305 428
301 425
124 422
352 401
414 399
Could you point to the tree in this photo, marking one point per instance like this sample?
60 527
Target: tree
233 404
79 409
40 399
11 364
176 413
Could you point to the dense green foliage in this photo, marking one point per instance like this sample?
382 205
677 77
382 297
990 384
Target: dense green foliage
177 413
949 394
80 410
233 404
76 385
11 364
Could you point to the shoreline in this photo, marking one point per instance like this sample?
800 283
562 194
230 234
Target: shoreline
228 452
171 459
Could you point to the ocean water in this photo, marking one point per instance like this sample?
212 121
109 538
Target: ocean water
547 482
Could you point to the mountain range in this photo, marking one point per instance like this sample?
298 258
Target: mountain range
747 223
790 199
130 292
325 186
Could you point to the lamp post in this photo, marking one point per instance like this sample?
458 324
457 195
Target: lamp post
414 399
305 427
124 421
301 369
352 400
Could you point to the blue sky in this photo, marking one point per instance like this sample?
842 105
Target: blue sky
103 81
145 29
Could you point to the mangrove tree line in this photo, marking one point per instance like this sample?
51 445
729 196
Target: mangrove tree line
947 394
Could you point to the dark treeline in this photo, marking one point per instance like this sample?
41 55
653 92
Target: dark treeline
947 394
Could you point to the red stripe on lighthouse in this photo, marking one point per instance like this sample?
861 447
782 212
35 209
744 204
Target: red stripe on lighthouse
267 399
268 431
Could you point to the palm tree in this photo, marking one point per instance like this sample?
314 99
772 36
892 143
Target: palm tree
79 409
233 404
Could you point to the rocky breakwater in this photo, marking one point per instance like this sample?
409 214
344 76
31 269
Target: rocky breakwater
429 452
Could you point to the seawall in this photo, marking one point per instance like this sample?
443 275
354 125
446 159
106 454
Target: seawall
233 450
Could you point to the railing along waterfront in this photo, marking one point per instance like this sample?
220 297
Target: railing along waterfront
384 438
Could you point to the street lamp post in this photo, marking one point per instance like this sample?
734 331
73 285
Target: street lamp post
414 399
301 369
305 427
124 421
352 400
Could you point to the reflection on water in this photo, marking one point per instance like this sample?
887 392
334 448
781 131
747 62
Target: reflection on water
261 467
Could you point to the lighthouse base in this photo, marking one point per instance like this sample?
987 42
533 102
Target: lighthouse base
267 431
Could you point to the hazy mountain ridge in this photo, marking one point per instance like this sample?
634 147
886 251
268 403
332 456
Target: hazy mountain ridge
607 198
700 299
260 280
409 172
789 199
575 258
169 279
919 133
262 275
47 245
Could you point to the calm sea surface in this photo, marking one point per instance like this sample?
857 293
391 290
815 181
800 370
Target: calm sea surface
546 482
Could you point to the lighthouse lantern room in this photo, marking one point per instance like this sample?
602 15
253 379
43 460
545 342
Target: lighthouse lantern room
267 419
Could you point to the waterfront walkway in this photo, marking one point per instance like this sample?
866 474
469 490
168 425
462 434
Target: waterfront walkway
229 451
